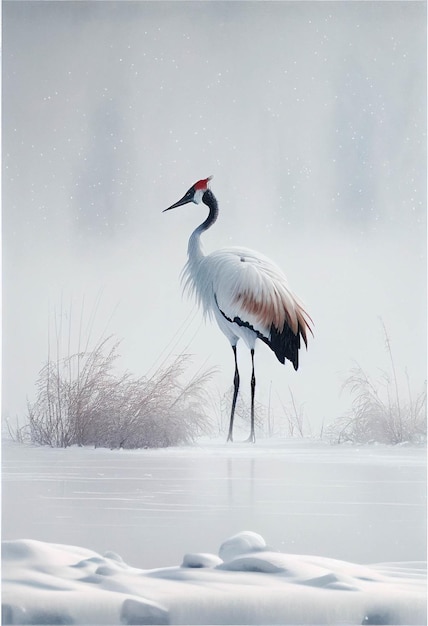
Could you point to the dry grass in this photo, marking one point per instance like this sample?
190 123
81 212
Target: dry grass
379 411
294 416
82 398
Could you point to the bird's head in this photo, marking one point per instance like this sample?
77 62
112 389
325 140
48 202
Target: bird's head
194 194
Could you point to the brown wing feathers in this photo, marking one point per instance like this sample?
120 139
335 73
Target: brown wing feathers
285 326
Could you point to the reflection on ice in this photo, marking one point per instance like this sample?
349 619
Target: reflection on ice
363 505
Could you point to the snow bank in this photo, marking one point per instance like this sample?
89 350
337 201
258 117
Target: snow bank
248 583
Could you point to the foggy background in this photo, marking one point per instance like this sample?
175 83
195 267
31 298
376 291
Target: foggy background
310 115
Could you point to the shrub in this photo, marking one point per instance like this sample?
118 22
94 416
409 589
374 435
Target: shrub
82 400
379 413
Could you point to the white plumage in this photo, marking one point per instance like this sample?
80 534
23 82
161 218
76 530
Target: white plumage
245 292
244 284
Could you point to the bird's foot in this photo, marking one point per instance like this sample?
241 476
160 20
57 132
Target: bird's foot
251 439
229 438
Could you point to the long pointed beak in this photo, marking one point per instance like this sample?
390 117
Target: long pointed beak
188 197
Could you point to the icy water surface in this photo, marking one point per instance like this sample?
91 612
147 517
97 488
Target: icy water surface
365 505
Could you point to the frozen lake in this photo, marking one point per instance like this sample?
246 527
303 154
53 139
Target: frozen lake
365 505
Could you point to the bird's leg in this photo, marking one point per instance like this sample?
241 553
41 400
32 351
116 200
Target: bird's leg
235 395
252 437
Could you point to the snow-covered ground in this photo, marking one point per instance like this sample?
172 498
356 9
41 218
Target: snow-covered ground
169 513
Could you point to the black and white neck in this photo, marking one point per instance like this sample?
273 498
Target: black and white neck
194 248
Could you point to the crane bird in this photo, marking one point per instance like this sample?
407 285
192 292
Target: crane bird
247 294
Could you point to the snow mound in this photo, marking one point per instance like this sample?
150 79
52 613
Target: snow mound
201 560
248 583
242 543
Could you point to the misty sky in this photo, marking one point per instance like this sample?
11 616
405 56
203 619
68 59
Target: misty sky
310 115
